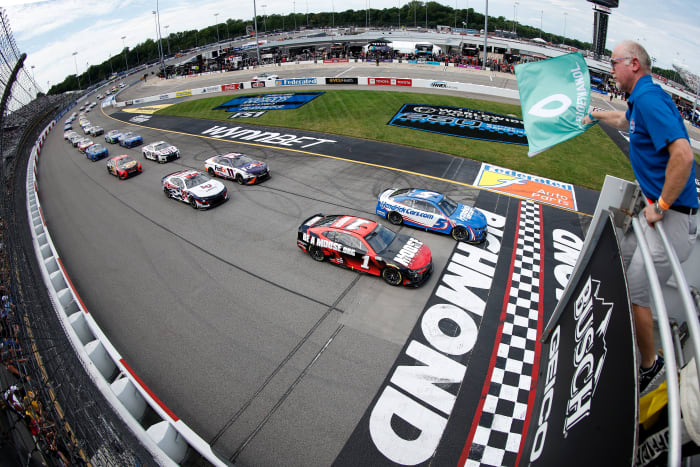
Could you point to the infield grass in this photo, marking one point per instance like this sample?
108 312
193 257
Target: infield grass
582 161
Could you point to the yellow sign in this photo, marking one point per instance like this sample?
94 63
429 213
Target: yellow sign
183 93
536 188
148 109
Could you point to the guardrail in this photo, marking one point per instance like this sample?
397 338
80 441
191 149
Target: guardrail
168 440
323 81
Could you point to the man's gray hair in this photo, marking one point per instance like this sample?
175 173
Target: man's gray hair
633 49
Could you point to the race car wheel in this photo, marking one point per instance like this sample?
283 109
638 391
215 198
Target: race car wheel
316 253
193 203
167 192
239 179
211 171
460 234
395 218
392 276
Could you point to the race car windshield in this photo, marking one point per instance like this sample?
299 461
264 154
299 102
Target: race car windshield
448 205
195 180
242 160
162 146
124 162
380 238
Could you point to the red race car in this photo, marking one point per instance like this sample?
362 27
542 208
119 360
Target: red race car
123 166
364 245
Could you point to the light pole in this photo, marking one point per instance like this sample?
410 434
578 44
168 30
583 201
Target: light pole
111 69
399 15
36 88
565 13
466 20
87 70
156 15
217 27
486 31
255 22
264 18
426 15
515 14
126 63
167 37
76 68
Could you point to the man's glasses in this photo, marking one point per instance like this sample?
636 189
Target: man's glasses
615 61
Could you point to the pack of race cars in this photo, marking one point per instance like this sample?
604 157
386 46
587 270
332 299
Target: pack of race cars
348 241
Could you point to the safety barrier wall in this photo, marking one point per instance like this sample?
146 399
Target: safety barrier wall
168 440
322 81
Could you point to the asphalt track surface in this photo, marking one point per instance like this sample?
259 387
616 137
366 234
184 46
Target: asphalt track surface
268 355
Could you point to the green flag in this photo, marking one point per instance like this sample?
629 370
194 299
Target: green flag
554 96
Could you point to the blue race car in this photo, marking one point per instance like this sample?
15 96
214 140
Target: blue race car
434 211
96 152
112 136
129 139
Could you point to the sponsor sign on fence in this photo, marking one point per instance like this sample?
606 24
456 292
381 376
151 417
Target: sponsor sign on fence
586 406
389 81
288 100
295 82
540 189
465 123
231 87
183 93
341 80
336 60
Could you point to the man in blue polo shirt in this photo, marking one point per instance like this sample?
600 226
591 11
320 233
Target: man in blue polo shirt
663 163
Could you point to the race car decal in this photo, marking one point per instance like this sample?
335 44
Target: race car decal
408 251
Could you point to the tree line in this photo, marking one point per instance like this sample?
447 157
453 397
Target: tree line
412 14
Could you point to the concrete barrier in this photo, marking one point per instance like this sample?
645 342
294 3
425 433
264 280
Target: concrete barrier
169 440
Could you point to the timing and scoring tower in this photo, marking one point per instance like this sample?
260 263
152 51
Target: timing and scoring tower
601 9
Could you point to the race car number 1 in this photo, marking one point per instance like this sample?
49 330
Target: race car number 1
365 262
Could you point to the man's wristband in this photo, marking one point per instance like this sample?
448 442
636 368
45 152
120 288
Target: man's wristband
590 115
663 204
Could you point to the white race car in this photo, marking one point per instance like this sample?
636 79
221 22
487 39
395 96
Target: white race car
194 188
238 167
265 77
160 151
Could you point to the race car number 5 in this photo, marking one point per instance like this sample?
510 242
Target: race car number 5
365 262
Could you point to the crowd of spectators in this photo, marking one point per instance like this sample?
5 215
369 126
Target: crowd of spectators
28 426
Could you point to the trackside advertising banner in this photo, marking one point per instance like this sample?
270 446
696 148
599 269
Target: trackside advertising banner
586 404
554 96
465 123
288 100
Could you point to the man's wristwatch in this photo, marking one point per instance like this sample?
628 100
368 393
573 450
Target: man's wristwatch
658 208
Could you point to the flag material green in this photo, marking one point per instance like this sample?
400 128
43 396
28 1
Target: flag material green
555 95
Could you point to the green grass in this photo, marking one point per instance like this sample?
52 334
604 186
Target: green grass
582 161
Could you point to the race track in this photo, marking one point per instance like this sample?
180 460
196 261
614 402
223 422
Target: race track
268 355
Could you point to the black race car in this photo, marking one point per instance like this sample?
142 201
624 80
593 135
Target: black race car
364 245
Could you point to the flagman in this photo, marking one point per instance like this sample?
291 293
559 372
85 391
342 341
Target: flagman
659 150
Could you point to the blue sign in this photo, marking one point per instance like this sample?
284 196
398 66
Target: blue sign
287 100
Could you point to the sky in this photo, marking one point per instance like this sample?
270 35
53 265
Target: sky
50 31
